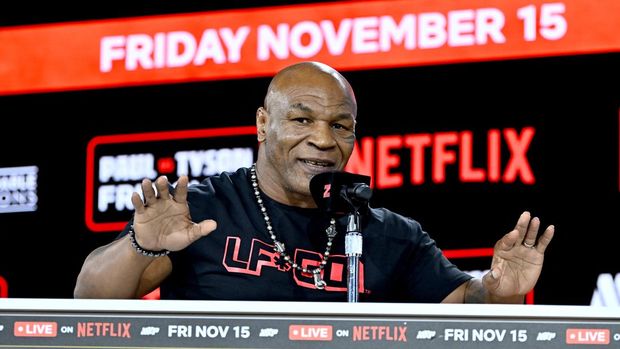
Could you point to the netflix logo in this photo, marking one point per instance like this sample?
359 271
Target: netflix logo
503 157
380 333
104 329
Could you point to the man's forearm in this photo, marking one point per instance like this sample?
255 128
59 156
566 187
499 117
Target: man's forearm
111 271
475 292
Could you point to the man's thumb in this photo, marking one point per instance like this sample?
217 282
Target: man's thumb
491 278
207 226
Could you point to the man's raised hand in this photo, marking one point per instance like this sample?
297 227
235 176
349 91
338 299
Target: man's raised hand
162 221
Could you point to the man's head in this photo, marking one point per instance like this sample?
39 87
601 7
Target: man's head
307 126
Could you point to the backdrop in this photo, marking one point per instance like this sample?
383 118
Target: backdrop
463 146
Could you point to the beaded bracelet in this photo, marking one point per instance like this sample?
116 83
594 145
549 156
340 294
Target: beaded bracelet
140 249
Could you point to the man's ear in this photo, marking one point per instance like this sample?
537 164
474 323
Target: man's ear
261 123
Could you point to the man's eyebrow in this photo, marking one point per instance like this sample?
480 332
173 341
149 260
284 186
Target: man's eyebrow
301 107
307 109
345 116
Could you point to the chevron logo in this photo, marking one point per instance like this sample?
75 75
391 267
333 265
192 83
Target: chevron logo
607 292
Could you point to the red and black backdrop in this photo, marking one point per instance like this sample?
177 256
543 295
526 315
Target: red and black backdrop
470 112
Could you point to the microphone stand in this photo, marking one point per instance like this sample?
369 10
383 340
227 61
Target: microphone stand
353 251
355 197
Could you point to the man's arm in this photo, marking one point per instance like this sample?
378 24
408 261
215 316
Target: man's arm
161 222
517 262
473 291
117 270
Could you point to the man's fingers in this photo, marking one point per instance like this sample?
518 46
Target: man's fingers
180 192
148 192
522 224
162 187
508 241
545 239
136 200
532 232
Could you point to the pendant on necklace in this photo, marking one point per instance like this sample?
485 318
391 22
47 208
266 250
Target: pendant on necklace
279 247
331 230
318 282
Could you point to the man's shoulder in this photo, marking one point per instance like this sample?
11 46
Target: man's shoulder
385 215
393 223
221 182
219 195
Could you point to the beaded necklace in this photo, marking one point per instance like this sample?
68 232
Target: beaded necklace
279 247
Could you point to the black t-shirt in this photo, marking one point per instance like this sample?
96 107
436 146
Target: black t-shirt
399 263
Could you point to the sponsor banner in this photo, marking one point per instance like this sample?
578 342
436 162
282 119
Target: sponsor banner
117 164
258 42
423 158
18 189
273 331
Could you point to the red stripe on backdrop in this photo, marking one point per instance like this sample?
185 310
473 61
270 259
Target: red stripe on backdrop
258 42
4 288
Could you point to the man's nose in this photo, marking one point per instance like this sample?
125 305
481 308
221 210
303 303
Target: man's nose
322 136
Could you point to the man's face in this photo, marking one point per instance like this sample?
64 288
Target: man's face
309 129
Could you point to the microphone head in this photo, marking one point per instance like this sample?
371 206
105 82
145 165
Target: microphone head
327 186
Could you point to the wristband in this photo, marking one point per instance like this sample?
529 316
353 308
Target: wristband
140 249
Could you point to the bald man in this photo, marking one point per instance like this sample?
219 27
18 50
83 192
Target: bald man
256 234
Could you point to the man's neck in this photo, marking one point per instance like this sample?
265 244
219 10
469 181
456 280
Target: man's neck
279 193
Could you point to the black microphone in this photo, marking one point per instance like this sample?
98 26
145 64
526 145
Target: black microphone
331 190
358 191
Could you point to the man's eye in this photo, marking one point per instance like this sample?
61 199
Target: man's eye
340 127
302 120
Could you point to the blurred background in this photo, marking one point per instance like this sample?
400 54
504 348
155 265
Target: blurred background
469 113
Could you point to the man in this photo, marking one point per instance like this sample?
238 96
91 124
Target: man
270 241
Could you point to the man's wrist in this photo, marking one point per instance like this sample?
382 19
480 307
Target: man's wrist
141 250
516 299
